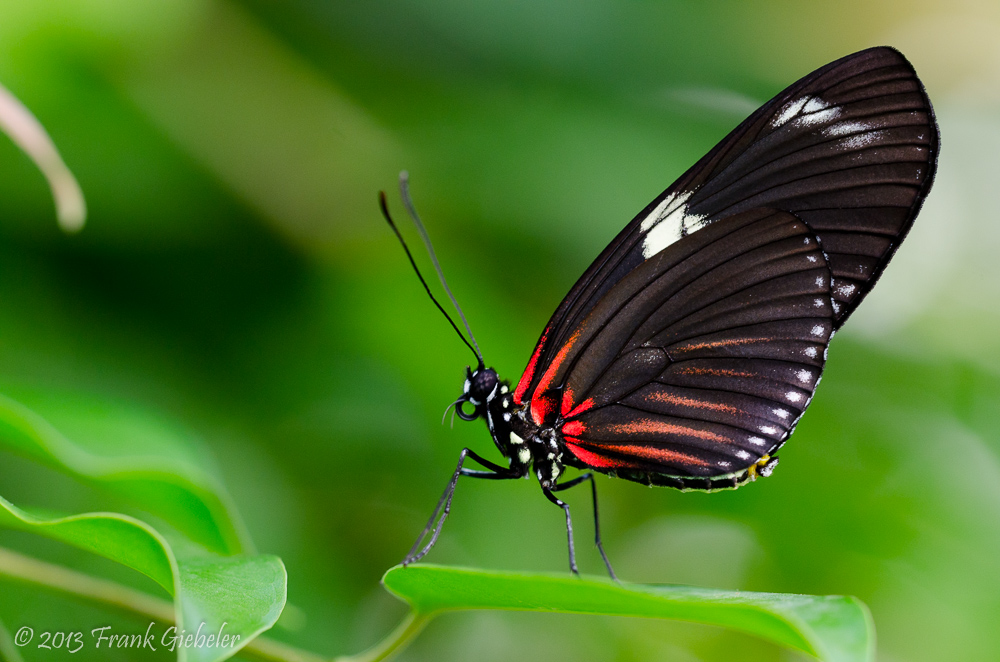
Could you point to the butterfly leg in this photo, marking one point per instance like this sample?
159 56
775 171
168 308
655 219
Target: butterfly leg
569 527
597 520
495 472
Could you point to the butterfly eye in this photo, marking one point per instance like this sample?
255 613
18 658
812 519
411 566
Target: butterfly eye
462 414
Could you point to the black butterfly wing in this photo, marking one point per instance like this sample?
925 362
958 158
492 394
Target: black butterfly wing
850 149
716 345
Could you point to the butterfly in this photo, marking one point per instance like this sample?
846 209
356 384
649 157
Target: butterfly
686 354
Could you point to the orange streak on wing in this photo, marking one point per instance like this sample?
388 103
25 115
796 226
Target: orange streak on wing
715 372
660 427
574 428
694 402
724 343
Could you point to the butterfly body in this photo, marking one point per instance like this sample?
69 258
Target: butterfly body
688 351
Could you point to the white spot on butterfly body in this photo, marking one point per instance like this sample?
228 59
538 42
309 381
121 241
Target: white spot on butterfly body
667 223
757 441
743 455
768 429
515 440
524 455
781 413
793 396
466 386
504 389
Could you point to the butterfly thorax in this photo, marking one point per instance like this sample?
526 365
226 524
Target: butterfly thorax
515 434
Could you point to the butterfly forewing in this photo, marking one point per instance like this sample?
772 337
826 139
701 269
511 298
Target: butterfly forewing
850 150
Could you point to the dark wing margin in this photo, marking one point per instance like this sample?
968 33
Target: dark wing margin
851 150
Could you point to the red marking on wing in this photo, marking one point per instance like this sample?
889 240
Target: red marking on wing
581 408
574 428
694 402
529 372
557 362
541 405
567 402
660 427
661 455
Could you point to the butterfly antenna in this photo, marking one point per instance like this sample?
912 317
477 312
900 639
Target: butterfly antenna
385 212
404 191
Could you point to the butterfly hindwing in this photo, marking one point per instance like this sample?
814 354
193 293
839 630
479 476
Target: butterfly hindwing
850 150
715 348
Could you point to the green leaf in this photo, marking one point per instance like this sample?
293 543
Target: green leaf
164 479
240 596
831 628
8 650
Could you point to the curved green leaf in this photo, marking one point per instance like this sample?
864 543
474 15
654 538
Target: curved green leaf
239 596
831 628
162 480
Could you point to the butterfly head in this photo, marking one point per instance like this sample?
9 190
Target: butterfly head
479 389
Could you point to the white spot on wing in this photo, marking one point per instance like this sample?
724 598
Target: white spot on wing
793 396
768 429
817 303
814 104
817 330
781 413
811 258
820 281
844 128
819 117
804 376
743 455
846 290
667 223
791 109
724 464
810 352
861 139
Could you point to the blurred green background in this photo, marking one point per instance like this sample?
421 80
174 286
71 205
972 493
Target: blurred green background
235 281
